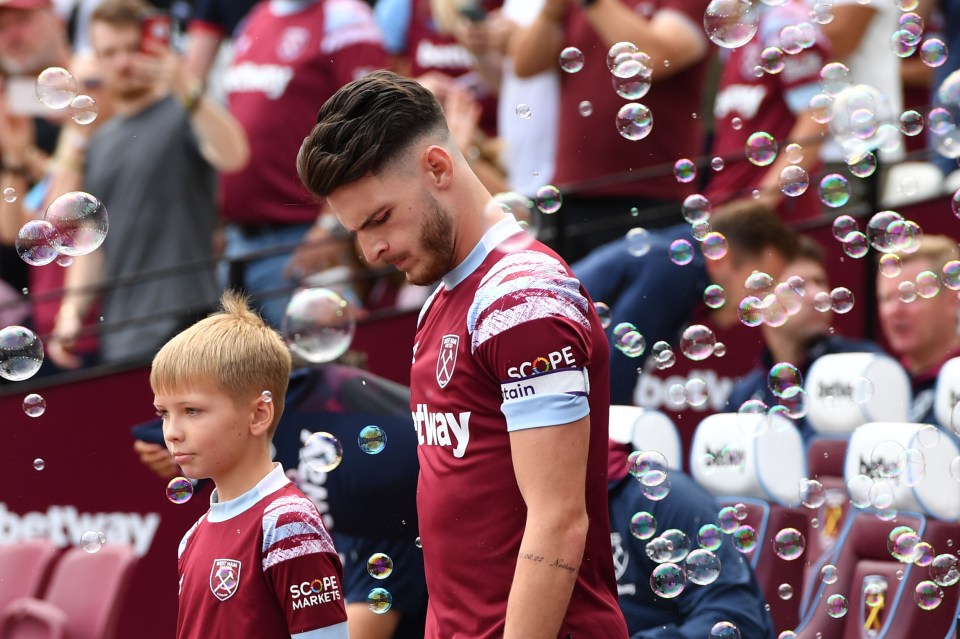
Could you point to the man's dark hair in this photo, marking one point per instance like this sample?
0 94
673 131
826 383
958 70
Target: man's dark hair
366 125
809 249
751 229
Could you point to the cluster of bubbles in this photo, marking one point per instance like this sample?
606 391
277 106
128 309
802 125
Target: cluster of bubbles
57 89
73 224
650 469
92 541
631 74
318 325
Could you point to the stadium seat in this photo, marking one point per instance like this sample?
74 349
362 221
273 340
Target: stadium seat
24 566
763 473
947 394
924 498
83 600
846 390
909 182
647 429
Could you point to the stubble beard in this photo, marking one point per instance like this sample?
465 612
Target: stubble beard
435 245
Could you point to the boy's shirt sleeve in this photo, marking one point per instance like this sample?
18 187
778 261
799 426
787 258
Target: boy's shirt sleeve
301 565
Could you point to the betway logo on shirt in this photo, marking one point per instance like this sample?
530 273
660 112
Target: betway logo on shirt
64 526
442 429
247 77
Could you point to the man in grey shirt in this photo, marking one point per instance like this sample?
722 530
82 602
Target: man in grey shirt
153 166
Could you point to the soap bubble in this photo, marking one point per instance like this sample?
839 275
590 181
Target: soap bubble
714 296
372 439
784 380
39 464
928 595
379 565
603 312
179 490
841 300
38 242
836 606
56 87
834 78
548 199
731 23
772 60
710 536
911 122
829 574
761 149
643 525
933 52
943 570
318 325
668 580
571 59
638 242
785 592
843 225
697 342
821 108
789 544
92 541
685 171
695 208
889 265
812 493
83 109
702 567
34 405
745 538
634 121
522 208
834 190
724 630
858 113
681 252
321 452
523 110
585 108
21 353
379 601
727 519
794 180
81 220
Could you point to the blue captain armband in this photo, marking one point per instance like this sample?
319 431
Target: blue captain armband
549 399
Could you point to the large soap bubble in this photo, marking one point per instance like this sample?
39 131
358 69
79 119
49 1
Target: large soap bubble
81 220
861 117
318 325
946 102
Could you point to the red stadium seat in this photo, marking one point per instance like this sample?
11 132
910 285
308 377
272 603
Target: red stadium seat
83 601
23 569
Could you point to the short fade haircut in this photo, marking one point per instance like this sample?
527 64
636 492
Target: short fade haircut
365 126
234 350
751 229
121 12
937 250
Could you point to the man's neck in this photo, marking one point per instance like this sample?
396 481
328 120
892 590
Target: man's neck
929 363
133 106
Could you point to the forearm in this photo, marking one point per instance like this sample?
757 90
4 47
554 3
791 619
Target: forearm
665 38
535 48
547 566
80 283
223 142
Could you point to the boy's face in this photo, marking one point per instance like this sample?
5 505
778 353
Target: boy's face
207 432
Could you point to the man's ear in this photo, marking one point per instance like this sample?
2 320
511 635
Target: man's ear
438 163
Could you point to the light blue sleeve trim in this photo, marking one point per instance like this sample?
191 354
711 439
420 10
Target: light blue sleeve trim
798 98
338 631
393 18
538 411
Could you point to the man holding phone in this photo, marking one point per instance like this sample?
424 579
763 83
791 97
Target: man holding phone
153 166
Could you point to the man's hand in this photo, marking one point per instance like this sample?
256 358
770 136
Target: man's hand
157 458
61 344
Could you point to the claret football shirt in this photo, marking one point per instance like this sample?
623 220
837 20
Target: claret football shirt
508 341
261 565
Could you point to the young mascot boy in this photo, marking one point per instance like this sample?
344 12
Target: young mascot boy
259 563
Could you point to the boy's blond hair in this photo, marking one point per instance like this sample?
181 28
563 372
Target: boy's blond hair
234 350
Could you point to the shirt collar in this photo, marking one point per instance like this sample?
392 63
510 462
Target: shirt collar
494 236
224 510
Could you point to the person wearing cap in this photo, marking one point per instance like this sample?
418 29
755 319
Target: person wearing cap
918 309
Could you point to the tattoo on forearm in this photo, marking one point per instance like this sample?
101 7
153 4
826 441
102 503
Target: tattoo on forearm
556 563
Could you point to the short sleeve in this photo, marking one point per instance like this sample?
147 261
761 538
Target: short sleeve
530 326
302 566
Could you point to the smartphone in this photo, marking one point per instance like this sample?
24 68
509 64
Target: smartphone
155 31
22 97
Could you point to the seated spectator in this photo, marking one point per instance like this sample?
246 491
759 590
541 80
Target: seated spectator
919 319
632 285
805 336
734 597
368 502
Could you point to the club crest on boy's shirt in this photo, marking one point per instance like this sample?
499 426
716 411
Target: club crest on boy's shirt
224 578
